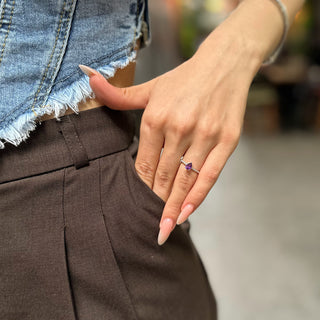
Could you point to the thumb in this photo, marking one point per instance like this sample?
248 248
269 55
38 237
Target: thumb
135 97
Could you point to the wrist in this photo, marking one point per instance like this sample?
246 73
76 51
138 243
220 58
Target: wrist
252 32
262 25
226 45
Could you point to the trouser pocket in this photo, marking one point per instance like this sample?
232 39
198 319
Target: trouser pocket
164 282
99 290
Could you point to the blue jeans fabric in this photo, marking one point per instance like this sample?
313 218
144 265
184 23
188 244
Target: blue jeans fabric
41 45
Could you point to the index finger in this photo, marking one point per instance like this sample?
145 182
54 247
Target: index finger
150 145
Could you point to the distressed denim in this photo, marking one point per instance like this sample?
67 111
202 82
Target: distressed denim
42 42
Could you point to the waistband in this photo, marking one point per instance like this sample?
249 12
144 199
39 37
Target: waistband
74 140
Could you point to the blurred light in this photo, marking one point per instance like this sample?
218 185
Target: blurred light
193 4
214 5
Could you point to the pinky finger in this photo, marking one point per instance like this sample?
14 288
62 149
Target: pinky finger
208 176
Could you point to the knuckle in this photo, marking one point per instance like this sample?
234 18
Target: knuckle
208 132
199 195
144 169
212 175
172 210
163 178
231 136
144 129
182 127
150 122
184 182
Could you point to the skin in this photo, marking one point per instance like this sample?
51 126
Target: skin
197 109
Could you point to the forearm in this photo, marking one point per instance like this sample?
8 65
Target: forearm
255 28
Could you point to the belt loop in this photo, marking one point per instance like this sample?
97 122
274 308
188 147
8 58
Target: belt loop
77 150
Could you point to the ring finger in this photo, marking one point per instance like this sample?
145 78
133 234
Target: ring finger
183 182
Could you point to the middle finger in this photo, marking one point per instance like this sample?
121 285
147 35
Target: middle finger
168 166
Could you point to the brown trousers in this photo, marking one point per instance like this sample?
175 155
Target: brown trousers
78 230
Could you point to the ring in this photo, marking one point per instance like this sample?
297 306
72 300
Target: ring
188 166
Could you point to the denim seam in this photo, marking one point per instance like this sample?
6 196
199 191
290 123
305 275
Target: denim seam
61 50
9 27
137 22
138 14
50 59
2 13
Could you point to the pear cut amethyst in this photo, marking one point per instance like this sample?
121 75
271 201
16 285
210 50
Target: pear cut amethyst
188 166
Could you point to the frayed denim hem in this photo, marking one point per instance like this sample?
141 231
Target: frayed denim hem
57 104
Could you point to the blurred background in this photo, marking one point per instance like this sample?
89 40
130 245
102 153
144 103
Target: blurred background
258 231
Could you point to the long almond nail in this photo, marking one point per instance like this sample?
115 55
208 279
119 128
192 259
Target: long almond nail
88 71
166 227
185 213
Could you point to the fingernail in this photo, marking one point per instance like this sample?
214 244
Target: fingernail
185 213
166 227
88 71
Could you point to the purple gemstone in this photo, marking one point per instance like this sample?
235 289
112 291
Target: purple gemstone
188 166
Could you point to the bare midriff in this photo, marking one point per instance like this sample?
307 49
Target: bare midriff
122 78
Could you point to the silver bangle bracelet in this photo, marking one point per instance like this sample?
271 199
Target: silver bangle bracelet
285 18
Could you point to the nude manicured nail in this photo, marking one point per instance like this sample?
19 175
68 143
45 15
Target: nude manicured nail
185 213
166 227
88 71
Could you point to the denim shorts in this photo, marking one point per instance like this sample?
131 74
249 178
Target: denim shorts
78 230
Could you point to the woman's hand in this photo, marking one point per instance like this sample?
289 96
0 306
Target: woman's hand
195 111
